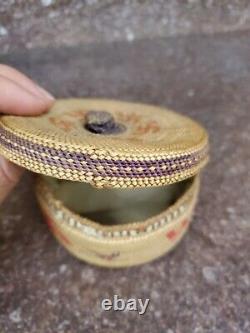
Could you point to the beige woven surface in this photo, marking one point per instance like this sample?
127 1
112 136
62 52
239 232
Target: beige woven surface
119 245
153 137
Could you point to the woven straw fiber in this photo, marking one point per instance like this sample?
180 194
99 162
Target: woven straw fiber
157 147
118 245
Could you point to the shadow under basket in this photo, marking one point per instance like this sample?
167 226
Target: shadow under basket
117 227
117 181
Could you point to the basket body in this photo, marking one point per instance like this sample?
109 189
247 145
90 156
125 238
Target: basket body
120 245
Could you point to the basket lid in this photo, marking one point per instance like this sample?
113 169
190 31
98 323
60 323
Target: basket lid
106 143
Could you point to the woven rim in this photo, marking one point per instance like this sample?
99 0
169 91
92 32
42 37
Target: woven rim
107 161
120 245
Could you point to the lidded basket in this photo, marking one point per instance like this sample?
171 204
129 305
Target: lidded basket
117 181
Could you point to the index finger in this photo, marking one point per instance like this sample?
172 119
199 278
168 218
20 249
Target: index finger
15 99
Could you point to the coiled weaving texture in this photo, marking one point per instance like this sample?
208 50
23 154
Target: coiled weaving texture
152 152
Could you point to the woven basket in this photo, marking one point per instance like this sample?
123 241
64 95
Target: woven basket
114 146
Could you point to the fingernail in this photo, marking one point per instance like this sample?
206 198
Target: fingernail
45 93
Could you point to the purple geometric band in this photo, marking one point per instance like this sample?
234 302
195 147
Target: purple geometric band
83 162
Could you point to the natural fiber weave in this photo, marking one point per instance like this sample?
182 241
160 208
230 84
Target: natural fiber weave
157 147
119 245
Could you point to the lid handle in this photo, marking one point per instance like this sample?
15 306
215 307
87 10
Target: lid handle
102 122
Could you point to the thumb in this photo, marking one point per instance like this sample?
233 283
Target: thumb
9 176
18 96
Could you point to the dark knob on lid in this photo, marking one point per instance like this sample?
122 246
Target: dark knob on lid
102 122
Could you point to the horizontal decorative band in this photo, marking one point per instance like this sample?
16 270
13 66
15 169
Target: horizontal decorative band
94 230
101 167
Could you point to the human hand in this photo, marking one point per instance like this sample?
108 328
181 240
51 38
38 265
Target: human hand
18 96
